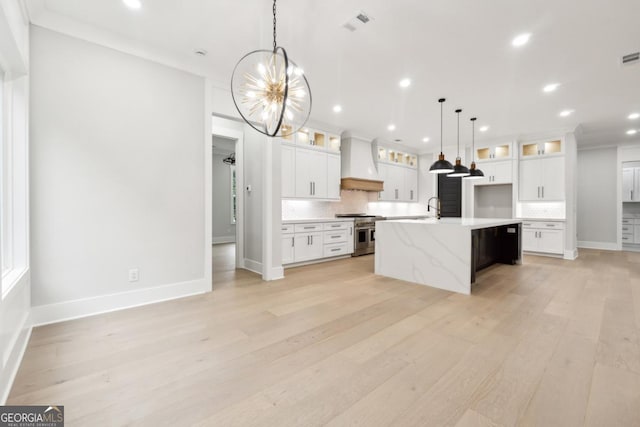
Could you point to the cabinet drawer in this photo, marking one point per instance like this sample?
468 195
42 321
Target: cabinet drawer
627 238
627 221
337 225
339 236
304 228
335 250
543 225
627 229
286 228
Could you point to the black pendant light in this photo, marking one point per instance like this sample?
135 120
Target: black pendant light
459 170
473 172
441 165
270 91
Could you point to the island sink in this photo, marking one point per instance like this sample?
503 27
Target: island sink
445 253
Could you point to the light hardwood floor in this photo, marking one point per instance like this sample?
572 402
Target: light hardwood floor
547 343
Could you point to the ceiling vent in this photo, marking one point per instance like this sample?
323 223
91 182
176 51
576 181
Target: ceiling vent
631 58
358 21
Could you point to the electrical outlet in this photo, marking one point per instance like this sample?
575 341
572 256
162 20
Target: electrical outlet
133 275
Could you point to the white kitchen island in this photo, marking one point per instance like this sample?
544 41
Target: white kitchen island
445 253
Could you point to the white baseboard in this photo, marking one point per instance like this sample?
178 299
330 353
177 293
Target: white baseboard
606 246
53 313
252 265
9 371
275 273
571 254
224 239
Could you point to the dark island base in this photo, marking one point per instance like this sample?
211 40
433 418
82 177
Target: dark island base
495 245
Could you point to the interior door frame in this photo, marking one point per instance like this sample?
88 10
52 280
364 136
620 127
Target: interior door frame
238 136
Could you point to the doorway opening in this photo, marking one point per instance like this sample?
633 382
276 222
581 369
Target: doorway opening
224 208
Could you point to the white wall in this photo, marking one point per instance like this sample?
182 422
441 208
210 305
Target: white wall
597 197
15 303
224 230
117 178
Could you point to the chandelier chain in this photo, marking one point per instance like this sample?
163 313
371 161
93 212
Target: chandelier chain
274 25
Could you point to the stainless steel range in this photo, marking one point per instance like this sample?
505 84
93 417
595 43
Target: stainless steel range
365 232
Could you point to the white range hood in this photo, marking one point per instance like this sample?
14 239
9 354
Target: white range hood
358 169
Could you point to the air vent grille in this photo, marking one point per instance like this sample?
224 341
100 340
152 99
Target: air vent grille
357 21
631 58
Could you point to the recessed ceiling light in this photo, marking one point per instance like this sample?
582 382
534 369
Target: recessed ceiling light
484 128
521 40
425 139
337 108
633 116
551 87
566 113
405 83
391 127
632 132
132 4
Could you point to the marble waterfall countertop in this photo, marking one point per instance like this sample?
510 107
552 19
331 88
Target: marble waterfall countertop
468 223
432 252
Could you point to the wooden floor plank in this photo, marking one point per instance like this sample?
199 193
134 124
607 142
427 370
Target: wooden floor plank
548 342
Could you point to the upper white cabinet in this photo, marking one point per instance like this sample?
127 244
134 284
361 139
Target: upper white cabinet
311 165
411 185
631 184
494 152
498 172
311 174
542 179
541 148
399 172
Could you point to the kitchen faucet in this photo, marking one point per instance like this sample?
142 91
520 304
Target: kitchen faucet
437 207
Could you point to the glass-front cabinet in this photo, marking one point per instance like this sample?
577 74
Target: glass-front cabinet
494 152
541 148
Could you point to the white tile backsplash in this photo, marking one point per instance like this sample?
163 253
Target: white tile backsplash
546 210
351 202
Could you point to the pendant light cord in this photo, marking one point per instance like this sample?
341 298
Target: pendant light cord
274 26
473 139
441 102
458 112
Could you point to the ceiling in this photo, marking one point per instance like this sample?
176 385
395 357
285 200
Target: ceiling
458 49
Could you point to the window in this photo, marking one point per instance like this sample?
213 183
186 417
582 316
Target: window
14 217
234 208
5 214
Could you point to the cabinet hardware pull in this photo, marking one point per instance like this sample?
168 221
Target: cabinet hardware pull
335 236
336 225
351 231
293 242
551 225
543 192
310 228
310 189
335 249
311 240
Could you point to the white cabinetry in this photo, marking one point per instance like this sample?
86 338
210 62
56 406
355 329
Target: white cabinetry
410 185
543 236
288 244
631 231
542 179
541 148
311 165
494 152
631 184
399 172
304 242
333 176
496 172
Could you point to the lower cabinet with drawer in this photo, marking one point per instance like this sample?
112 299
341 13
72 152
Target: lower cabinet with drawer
545 237
316 241
631 231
